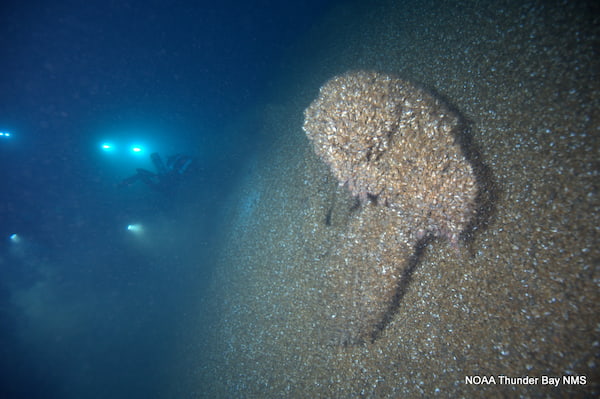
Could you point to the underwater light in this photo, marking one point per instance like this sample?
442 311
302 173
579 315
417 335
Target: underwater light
107 147
15 237
135 228
136 149
4 134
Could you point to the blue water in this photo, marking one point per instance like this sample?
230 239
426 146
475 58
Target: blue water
89 307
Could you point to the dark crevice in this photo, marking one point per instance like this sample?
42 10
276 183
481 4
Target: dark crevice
403 284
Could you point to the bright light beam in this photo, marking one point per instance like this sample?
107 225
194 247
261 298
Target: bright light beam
135 228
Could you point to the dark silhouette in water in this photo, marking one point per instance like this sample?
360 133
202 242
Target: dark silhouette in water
167 176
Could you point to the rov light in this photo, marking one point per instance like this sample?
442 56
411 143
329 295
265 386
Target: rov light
4 134
15 237
135 228
136 149
107 146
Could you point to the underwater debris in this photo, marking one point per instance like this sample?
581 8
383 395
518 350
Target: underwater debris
394 146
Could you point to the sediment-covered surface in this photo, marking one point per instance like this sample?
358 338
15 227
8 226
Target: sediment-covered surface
396 148
519 298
